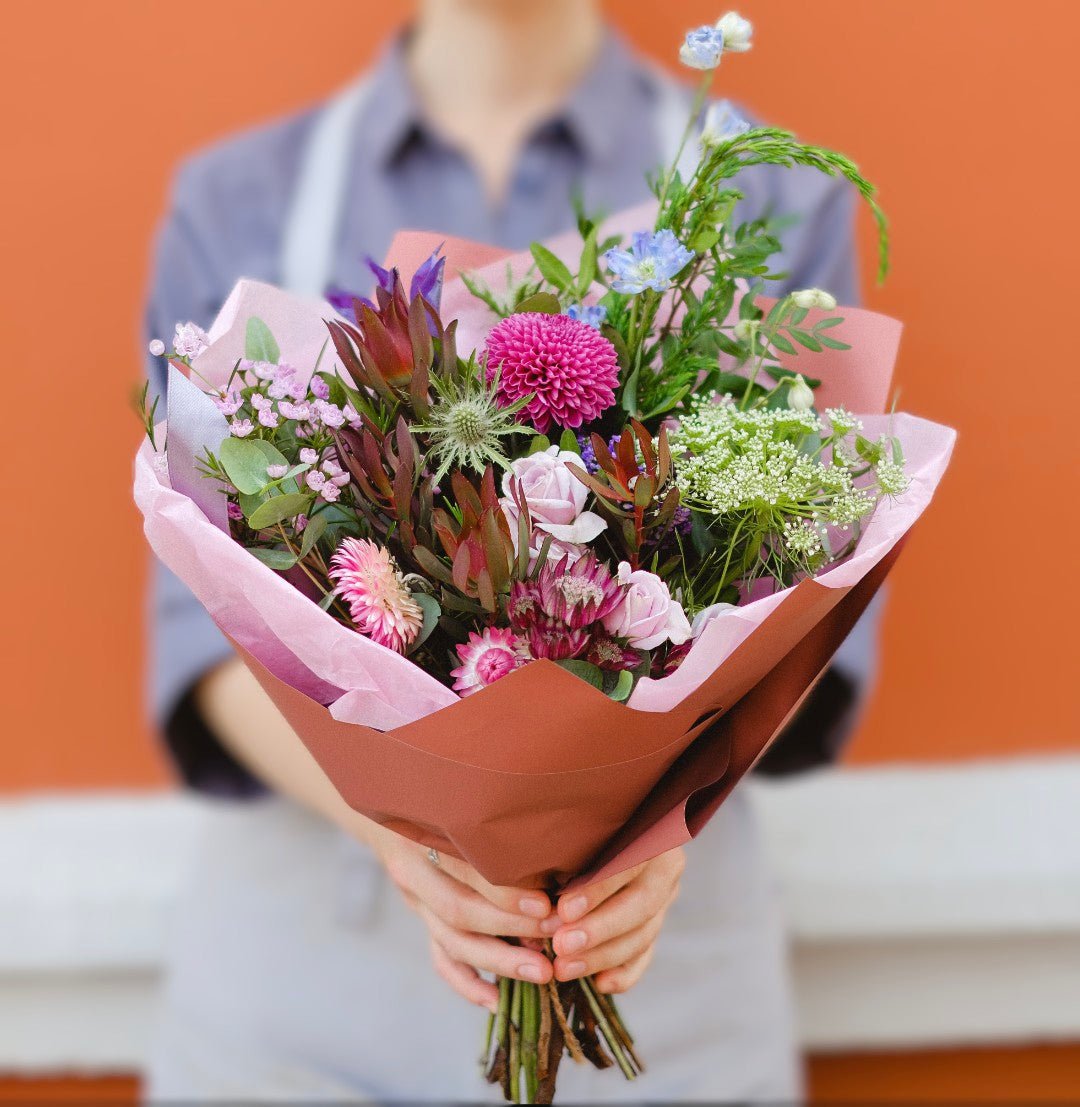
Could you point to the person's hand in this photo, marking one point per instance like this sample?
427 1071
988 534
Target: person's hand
467 917
609 928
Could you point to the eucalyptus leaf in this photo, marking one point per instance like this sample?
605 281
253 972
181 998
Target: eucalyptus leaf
432 613
315 529
624 685
245 460
277 509
276 559
259 344
585 671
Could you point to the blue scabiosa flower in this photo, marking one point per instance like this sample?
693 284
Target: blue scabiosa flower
702 48
593 315
653 261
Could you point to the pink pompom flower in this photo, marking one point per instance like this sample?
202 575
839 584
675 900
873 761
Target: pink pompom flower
380 604
486 658
570 370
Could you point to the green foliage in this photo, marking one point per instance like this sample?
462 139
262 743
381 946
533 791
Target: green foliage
259 343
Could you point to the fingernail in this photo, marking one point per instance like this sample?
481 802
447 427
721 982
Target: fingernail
573 942
575 908
572 969
534 906
529 972
550 924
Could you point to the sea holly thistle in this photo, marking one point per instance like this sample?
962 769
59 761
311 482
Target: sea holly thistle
467 422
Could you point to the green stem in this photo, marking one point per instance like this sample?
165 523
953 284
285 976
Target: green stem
695 111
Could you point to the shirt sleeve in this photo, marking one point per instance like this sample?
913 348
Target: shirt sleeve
184 642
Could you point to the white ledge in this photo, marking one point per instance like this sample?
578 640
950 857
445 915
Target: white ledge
928 905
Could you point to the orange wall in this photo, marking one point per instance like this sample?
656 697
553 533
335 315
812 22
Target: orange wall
958 110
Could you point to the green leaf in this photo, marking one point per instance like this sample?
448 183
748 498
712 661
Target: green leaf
315 529
587 270
568 441
276 559
432 613
781 343
545 302
277 509
584 671
539 442
245 460
832 343
551 268
259 344
805 338
704 240
623 687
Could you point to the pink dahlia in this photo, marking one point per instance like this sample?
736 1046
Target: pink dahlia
380 604
486 658
570 370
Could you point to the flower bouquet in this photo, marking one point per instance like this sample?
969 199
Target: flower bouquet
538 555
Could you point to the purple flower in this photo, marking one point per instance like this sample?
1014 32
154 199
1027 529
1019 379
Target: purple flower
588 454
295 411
319 388
268 418
309 456
190 340
234 511
593 315
330 414
653 261
229 404
427 282
241 428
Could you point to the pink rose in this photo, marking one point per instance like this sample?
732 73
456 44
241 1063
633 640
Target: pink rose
648 615
555 496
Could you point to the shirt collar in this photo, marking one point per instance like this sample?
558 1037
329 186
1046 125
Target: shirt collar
607 98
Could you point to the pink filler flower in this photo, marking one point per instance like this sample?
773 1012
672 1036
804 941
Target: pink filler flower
380 604
570 370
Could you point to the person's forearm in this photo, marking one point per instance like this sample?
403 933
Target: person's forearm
248 724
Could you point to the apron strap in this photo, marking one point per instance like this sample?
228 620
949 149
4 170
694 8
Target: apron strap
313 221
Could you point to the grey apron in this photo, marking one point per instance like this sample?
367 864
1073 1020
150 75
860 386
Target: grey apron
296 972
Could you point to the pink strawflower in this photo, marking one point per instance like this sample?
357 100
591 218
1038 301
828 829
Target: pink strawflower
380 604
569 369
486 658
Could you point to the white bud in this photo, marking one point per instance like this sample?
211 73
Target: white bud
744 328
736 31
808 298
156 347
800 394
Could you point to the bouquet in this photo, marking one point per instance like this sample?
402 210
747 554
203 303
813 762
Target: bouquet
538 554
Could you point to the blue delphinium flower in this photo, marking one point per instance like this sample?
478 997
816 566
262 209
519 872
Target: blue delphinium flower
702 48
653 261
594 315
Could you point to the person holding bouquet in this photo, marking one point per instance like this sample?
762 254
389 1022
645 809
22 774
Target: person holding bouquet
298 966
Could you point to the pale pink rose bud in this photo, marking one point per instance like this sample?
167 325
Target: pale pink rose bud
647 615
556 498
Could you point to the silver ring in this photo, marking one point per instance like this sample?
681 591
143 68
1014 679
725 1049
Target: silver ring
433 857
